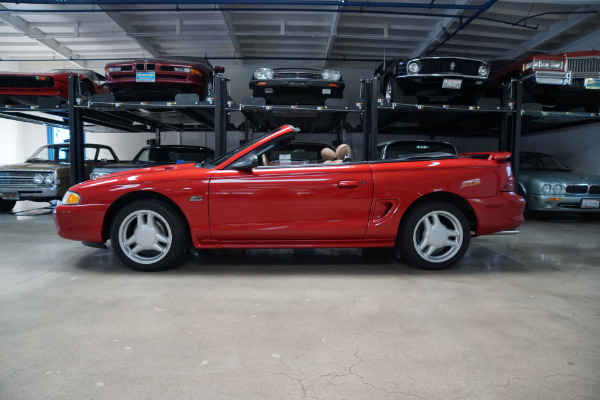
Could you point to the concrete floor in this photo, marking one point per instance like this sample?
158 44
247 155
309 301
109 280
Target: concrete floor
518 318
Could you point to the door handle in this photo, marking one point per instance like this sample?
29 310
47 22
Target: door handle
347 184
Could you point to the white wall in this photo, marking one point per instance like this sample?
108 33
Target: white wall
20 140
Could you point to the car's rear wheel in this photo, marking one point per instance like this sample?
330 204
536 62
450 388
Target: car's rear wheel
7 205
435 235
149 235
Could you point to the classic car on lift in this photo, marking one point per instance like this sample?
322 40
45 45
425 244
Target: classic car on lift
560 82
154 155
296 85
161 79
427 209
433 80
549 185
26 88
45 176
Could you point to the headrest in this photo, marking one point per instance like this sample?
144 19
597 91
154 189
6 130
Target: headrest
327 154
342 151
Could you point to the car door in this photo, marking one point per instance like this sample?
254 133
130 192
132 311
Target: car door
324 202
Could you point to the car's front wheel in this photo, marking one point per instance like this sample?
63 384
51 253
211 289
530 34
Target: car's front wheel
149 235
434 235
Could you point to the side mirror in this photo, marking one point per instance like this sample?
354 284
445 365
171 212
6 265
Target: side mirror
246 163
219 70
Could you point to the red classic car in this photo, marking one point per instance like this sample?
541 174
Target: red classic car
560 82
427 209
160 79
18 88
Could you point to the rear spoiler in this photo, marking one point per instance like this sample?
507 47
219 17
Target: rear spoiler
500 156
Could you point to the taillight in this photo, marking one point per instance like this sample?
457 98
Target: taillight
509 183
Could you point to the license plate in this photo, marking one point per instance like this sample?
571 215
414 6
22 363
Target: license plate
451 83
10 195
590 203
592 83
145 76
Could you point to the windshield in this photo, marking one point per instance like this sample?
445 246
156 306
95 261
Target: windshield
172 154
541 162
50 153
221 159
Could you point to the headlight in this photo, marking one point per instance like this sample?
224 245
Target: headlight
414 67
49 179
557 189
331 75
548 64
483 70
38 179
181 69
263 73
546 188
71 198
113 69
96 175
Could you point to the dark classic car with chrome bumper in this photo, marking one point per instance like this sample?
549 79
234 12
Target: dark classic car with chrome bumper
454 80
295 86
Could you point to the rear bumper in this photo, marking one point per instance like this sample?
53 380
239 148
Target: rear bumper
503 212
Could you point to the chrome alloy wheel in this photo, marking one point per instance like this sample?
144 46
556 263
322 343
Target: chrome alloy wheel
438 236
145 237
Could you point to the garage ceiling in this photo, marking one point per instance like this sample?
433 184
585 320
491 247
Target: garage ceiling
92 33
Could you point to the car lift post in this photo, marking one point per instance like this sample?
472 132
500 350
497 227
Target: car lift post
76 155
220 115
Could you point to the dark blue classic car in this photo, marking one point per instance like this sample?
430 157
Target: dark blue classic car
433 80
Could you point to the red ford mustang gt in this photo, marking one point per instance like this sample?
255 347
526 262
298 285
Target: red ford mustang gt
428 207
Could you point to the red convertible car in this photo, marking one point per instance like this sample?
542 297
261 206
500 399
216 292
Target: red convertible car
428 209
160 79
25 88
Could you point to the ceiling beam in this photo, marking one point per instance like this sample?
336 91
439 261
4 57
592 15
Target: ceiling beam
332 35
555 30
130 30
22 26
237 48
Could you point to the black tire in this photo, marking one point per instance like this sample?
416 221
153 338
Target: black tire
434 235
149 235
86 91
7 205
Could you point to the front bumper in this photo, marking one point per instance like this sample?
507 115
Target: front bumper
558 78
35 193
560 202
80 222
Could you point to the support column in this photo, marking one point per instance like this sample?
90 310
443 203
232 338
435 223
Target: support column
76 153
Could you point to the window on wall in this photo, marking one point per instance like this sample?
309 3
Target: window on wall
58 135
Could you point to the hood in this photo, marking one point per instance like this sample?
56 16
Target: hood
562 177
162 173
52 166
